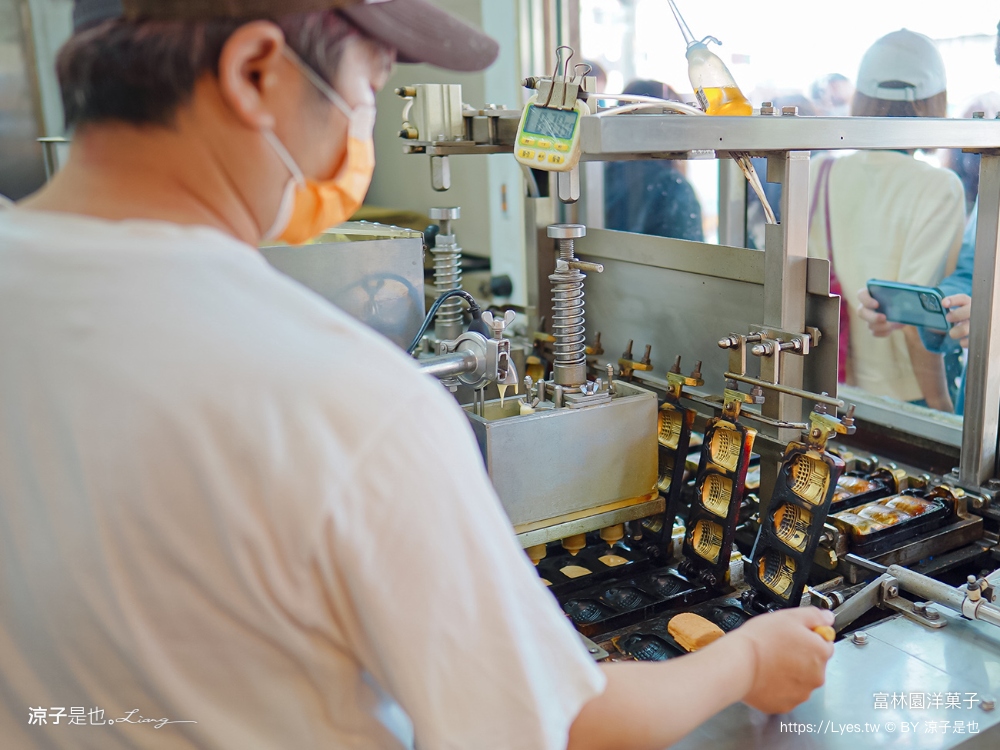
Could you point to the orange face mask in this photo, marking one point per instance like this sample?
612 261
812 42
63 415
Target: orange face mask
311 207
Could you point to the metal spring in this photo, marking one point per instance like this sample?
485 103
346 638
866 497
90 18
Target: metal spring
567 317
448 276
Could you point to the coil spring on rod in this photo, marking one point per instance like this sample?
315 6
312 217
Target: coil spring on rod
568 327
448 276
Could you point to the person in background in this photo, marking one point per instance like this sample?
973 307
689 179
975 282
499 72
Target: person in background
885 215
956 288
966 165
831 95
957 291
597 70
651 196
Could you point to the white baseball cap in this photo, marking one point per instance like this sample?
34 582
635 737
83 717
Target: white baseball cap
902 66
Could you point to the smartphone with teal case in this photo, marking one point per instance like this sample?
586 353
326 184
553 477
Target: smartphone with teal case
910 304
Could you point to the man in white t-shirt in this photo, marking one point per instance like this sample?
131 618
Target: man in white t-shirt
230 515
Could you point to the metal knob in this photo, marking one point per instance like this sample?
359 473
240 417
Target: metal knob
451 214
567 231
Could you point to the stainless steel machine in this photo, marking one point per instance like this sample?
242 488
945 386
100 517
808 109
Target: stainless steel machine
611 468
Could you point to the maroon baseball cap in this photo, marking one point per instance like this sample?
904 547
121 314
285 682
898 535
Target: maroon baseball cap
419 31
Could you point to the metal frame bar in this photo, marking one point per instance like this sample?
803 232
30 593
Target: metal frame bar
672 135
982 395
945 429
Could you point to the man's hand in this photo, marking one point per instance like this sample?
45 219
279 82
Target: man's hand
772 662
790 658
868 312
959 308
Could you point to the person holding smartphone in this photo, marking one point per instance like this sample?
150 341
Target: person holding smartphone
957 291
888 216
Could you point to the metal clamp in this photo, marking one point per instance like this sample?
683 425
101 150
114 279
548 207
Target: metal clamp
884 592
474 360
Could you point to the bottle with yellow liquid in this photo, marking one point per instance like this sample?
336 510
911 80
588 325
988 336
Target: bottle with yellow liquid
711 80
713 84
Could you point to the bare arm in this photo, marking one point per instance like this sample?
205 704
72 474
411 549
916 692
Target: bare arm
929 370
773 662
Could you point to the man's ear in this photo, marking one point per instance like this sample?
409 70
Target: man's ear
249 72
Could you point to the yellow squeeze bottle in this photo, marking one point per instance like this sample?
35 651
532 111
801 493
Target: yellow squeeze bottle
713 84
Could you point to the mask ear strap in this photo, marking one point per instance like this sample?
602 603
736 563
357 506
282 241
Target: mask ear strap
317 80
286 158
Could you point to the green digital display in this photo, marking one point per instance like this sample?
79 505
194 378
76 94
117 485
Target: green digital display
554 123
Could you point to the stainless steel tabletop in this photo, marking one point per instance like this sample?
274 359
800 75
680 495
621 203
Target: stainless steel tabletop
959 663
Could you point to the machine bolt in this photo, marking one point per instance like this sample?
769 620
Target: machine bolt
627 354
978 115
676 369
932 614
762 350
992 484
767 108
566 231
645 356
977 502
860 638
696 373
444 217
987 703
892 591
594 650
920 608
757 394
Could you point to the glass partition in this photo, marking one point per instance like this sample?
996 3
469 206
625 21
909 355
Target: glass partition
893 217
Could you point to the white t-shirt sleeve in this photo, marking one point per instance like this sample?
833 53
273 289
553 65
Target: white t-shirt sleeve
935 236
436 598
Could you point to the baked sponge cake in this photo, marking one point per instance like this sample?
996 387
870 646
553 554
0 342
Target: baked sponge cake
693 631
828 633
